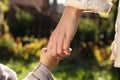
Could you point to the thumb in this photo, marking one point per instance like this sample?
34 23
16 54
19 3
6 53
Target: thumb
44 50
68 52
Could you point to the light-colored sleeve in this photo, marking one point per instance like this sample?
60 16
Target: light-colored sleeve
40 73
6 73
97 6
116 43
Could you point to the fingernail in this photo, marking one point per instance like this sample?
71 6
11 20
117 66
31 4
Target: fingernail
66 53
70 49
44 49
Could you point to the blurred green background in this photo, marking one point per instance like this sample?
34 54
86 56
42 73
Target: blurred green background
26 27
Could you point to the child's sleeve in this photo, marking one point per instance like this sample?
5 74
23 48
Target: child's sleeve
98 6
40 73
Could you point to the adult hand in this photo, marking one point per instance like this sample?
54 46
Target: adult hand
48 60
62 36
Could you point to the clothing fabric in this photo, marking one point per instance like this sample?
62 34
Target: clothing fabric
98 6
7 73
102 6
40 73
116 43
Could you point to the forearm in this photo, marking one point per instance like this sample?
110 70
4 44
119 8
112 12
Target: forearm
70 17
72 12
69 21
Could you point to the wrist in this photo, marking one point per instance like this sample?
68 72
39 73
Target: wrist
50 63
73 11
70 17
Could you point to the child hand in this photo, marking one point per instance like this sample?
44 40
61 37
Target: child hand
46 59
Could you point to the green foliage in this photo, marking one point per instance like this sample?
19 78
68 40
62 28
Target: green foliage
83 71
6 2
21 67
88 29
92 41
62 72
6 47
4 5
11 48
21 26
24 16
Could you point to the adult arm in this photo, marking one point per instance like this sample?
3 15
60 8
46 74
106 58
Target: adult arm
63 34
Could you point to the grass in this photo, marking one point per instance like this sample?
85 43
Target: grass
78 72
22 68
62 72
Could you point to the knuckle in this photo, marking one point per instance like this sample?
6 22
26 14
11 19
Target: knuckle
65 47
67 41
59 52
54 55
60 58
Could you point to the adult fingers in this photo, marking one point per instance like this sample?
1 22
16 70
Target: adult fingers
59 57
49 45
60 45
54 50
63 55
66 45
51 40
68 52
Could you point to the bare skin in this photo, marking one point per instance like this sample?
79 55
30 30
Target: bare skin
49 61
62 36
59 44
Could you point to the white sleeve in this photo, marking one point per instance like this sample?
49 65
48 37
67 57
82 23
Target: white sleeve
116 43
6 73
98 6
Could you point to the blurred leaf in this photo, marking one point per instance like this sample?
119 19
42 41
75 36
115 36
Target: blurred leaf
104 15
3 6
97 54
